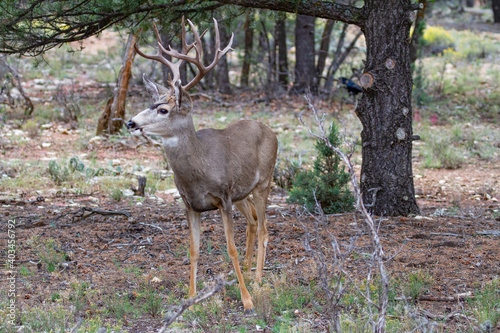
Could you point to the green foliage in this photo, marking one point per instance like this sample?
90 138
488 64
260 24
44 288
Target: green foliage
76 168
415 284
440 152
32 128
437 39
486 304
326 183
116 194
49 252
41 319
284 173
152 302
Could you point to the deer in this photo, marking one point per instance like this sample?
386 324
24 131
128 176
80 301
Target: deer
213 169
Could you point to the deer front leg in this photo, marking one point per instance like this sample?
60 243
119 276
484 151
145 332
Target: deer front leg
227 220
247 208
194 222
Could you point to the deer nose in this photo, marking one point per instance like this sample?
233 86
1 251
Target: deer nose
130 124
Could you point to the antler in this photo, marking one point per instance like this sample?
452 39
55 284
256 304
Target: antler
196 60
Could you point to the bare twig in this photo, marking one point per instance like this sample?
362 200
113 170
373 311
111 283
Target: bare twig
77 326
207 292
454 298
81 213
378 252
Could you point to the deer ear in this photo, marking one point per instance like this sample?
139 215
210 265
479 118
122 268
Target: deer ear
155 89
151 87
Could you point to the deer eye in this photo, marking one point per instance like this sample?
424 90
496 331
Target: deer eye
162 111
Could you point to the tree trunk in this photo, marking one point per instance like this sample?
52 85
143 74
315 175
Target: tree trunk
339 58
304 49
385 110
223 84
247 58
208 55
112 119
266 47
495 4
282 53
418 31
323 50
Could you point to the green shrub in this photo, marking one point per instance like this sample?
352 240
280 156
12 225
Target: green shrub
486 304
441 153
326 183
49 252
437 39
32 128
416 284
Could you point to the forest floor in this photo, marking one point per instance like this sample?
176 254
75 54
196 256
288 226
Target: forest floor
455 241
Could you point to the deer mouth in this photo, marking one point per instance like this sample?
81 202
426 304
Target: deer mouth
136 131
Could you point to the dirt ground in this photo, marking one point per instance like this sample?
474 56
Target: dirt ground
456 238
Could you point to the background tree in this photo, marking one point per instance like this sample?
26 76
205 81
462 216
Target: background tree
282 63
339 57
495 5
323 50
111 120
304 54
248 43
223 84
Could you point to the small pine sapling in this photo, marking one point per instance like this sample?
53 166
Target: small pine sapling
326 183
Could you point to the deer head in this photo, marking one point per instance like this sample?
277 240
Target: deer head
174 103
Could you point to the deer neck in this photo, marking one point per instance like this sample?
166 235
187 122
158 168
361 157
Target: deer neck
182 146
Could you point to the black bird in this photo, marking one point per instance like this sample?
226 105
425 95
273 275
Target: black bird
351 86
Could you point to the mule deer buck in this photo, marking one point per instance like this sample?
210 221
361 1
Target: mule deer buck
213 169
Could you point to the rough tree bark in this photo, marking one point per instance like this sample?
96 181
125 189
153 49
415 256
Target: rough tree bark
269 50
282 53
223 83
495 6
385 108
305 61
245 70
323 50
418 31
111 120
338 59
208 54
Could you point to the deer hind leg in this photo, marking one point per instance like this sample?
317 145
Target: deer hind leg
194 221
227 220
260 201
247 208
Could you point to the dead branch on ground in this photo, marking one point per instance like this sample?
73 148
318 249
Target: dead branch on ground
207 292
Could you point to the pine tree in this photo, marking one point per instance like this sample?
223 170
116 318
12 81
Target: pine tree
326 183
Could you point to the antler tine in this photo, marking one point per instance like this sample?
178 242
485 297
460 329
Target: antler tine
174 67
197 60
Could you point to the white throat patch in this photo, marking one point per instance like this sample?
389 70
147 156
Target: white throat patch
171 142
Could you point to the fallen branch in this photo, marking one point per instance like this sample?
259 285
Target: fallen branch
207 292
80 214
455 298
447 317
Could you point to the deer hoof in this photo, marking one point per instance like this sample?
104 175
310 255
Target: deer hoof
249 312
